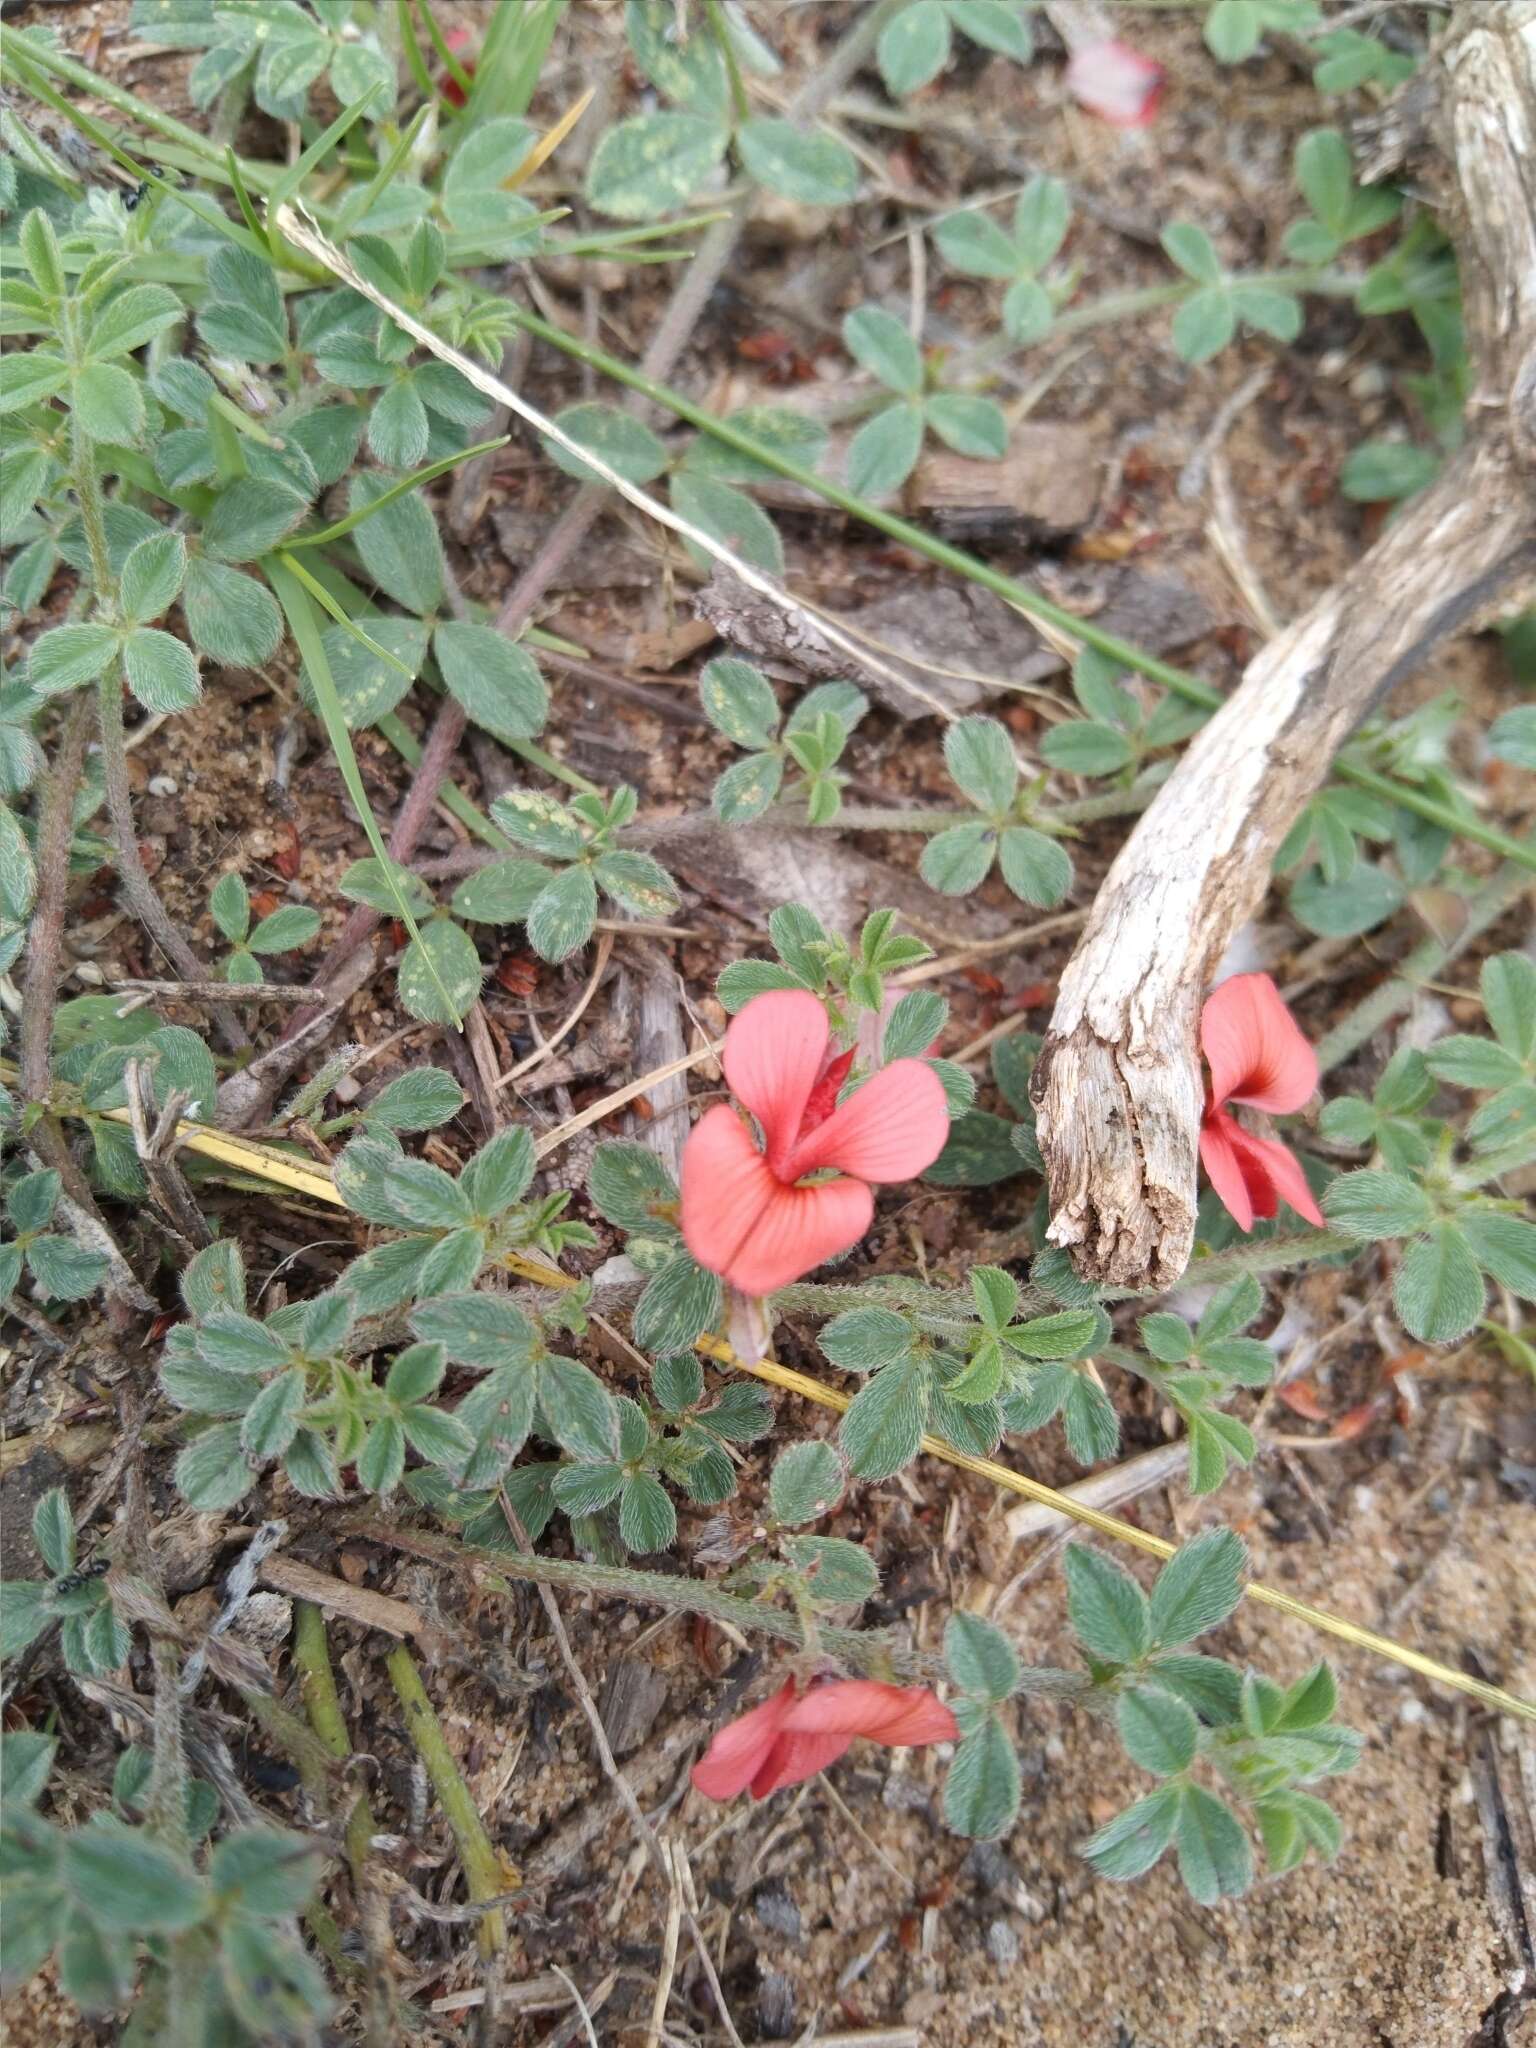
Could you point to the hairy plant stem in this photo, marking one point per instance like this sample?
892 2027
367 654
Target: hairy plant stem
483 1871
45 928
870 1651
138 890
1505 886
322 1702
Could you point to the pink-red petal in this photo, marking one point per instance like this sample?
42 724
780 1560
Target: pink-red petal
743 1746
1223 1167
1280 1166
1254 1047
796 1231
1252 1176
1117 83
773 1054
726 1186
900 1716
889 1129
794 1758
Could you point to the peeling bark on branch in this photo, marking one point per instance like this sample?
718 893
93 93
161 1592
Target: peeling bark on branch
1118 1086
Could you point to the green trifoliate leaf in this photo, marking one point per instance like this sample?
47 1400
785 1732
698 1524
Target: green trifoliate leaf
1158 1731
653 164
1438 1291
68 655
1198 1587
914 46
495 680
969 424
981 1792
161 670
979 1657
626 444
880 344
152 577
729 517
1036 868
1131 1843
807 1482
1107 1609
883 1429
804 164
440 973
231 617
563 914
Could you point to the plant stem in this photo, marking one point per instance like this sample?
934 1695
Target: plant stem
94 86
322 1702
137 887
1270 1255
866 1650
1028 601
45 929
1151 298
484 1873
1505 886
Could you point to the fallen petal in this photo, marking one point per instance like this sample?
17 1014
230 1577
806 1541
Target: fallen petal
742 1747
1117 83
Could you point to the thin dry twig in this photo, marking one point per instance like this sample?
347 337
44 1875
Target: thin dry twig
558 1037
616 1778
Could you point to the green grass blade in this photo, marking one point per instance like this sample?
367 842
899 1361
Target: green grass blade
511 57
289 183
289 580
450 63
397 489
344 618
358 205
243 201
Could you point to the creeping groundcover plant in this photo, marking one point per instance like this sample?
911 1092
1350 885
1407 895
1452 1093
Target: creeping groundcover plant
521 1341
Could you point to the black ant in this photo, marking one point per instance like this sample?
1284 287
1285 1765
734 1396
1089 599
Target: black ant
73 1581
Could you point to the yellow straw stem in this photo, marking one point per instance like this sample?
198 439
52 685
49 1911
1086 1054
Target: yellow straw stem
263 1162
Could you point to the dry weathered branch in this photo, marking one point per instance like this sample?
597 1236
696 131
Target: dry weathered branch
1118 1084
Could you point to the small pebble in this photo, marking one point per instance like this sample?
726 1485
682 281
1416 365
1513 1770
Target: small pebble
163 785
1002 1944
775 1908
776 2006
990 1867
1370 382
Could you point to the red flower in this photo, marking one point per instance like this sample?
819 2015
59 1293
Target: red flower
744 1214
1117 83
1258 1057
794 1735
457 39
